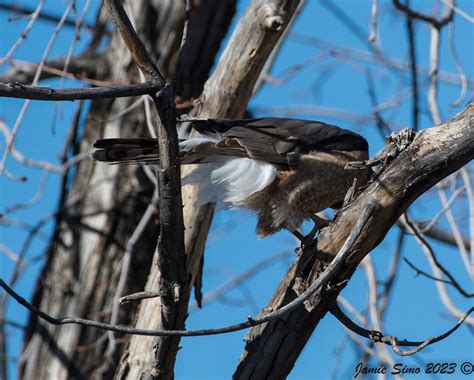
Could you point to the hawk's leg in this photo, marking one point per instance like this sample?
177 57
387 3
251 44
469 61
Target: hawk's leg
318 224
299 235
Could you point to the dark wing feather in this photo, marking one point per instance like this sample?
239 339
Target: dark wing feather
272 139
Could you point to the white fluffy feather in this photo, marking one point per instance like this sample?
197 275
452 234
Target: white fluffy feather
231 181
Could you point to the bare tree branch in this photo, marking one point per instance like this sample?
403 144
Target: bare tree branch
374 18
21 115
459 68
437 23
413 71
428 248
396 343
43 15
21 91
90 68
140 54
34 16
367 57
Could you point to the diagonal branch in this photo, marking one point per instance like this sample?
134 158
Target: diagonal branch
422 240
140 54
427 275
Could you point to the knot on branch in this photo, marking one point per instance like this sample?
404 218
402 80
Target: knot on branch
271 17
394 145
401 139
376 336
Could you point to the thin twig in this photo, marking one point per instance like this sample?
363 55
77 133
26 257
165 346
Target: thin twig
35 199
12 255
426 274
122 113
433 76
436 23
140 54
183 48
24 34
374 22
46 16
441 212
392 274
140 296
23 110
459 68
373 309
367 57
379 337
470 199
44 165
456 233
78 26
459 11
81 68
237 280
441 286
413 71
428 248
127 257
148 116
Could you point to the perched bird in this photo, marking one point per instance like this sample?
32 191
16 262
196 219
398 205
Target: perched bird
286 170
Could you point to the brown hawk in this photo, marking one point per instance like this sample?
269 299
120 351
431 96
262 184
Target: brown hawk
286 170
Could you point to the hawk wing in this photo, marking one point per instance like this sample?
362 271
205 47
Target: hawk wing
272 140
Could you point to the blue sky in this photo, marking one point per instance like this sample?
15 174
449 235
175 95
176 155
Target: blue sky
332 82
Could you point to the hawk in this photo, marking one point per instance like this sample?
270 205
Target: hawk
286 170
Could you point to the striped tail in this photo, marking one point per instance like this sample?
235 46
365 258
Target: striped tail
126 151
